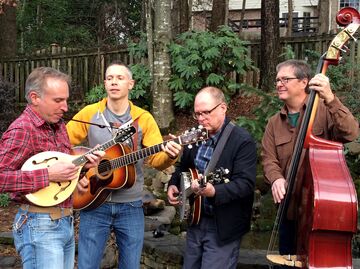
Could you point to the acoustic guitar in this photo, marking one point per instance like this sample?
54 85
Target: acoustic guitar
190 205
58 192
116 170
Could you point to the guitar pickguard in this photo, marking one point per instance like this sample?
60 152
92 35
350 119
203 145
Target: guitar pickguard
101 179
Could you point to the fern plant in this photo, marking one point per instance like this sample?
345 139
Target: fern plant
201 58
269 105
95 94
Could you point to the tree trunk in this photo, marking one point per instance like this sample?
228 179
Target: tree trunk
219 14
324 11
184 16
162 95
180 19
243 9
149 36
271 37
8 31
175 17
289 18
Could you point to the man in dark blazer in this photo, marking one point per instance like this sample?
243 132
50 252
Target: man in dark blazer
226 207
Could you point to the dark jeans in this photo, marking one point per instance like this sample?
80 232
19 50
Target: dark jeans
204 251
287 240
287 237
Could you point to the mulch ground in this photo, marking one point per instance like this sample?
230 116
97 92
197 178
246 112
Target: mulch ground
7 215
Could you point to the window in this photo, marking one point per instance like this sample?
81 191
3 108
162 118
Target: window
284 21
307 22
350 3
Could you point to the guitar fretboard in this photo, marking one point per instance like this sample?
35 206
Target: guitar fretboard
139 154
119 138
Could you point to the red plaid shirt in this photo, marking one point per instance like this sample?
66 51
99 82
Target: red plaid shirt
28 135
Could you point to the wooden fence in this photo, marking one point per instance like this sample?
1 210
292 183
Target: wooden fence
87 68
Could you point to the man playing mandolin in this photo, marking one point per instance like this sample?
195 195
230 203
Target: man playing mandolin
214 242
122 210
333 121
43 236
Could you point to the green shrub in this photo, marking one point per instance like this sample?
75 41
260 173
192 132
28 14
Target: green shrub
138 49
9 108
141 93
95 94
4 199
340 79
269 105
203 58
352 99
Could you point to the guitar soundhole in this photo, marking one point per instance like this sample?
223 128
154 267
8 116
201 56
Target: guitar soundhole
104 169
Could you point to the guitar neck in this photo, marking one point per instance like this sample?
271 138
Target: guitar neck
189 177
81 160
139 154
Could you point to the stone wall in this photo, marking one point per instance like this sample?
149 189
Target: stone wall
162 253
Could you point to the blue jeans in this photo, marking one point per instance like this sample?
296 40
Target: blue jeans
127 221
43 242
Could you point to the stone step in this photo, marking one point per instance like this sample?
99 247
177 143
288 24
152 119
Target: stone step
166 250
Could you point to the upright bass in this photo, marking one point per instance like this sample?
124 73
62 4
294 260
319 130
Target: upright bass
327 213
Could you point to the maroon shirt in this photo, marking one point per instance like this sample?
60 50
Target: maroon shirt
28 135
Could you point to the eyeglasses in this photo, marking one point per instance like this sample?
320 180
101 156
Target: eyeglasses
196 115
283 81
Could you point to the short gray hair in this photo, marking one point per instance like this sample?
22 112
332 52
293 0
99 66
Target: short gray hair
37 79
117 62
301 68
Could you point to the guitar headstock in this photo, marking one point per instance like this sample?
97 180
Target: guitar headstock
350 18
193 135
124 134
218 176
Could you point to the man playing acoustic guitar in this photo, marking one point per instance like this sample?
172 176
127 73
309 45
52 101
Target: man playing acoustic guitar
44 236
226 210
122 210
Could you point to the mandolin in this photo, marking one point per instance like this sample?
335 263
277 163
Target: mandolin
58 192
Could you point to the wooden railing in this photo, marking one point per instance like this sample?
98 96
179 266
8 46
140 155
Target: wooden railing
300 25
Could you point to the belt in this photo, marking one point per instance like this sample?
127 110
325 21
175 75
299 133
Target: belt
55 212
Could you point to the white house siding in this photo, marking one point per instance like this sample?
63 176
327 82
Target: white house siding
299 6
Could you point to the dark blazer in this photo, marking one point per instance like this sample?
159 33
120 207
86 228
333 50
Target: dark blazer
232 201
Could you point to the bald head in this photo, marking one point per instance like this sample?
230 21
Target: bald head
210 108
